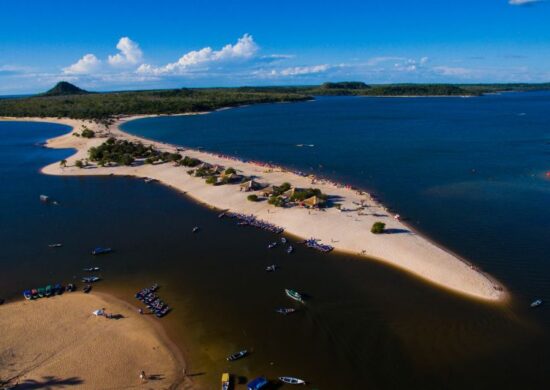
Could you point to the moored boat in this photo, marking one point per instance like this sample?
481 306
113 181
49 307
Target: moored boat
100 251
257 383
272 245
70 287
41 292
90 279
536 303
285 310
271 268
283 240
226 381
91 269
48 290
294 295
291 380
27 294
237 355
87 288
196 229
56 245
290 249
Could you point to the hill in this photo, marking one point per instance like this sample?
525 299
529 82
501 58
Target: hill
64 88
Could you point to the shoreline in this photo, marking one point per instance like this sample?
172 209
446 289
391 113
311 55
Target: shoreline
82 349
404 249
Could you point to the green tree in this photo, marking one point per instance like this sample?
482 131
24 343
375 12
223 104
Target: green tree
252 197
63 163
378 227
79 164
230 171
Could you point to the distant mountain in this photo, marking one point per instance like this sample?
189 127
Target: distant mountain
65 88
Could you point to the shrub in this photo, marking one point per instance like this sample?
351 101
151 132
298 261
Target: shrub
230 171
276 201
87 133
252 197
189 162
79 164
211 180
378 227
63 163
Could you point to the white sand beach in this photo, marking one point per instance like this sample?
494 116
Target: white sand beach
347 231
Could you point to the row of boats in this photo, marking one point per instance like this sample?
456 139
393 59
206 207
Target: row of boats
260 382
153 302
48 291
251 220
273 244
315 244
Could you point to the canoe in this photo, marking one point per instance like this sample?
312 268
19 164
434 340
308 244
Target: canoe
48 290
292 381
100 251
257 383
536 303
237 355
87 288
285 310
226 381
294 295
27 294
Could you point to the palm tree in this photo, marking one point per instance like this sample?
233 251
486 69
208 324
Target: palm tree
63 163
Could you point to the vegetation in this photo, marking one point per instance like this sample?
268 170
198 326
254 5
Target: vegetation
276 201
87 133
281 189
304 193
63 163
252 197
189 162
122 152
378 227
79 164
64 88
211 180
230 171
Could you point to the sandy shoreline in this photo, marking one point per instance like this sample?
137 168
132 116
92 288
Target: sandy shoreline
347 231
58 342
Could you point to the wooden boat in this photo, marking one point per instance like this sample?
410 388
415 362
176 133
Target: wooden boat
27 294
226 381
87 288
536 303
237 355
101 251
90 279
292 381
294 295
285 310
91 269
257 383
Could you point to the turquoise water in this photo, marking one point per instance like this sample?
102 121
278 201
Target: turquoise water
366 326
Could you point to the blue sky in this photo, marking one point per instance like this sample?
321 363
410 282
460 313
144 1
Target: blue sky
108 45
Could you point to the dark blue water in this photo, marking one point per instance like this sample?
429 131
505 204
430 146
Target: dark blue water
366 325
469 172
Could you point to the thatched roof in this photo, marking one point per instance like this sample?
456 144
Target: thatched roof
269 190
314 201
250 185
289 193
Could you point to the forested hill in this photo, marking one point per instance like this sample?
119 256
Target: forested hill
67 100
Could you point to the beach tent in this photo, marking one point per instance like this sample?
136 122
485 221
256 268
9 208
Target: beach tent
250 185
268 191
217 169
312 202
204 165
290 193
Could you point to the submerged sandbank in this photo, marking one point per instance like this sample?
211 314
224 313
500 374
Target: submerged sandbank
348 231
57 342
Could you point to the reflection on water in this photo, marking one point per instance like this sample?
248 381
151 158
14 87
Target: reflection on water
364 326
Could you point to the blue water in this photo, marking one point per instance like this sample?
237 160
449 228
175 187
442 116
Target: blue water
468 172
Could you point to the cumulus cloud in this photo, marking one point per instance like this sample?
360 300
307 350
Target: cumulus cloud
130 53
87 64
244 49
524 2
452 71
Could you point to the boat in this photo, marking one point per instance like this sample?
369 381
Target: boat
536 303
195 229
271 268
70 287
91 269
41 292
283 240
58 289
87 288
44 198
237 355
100 251
257 383
90 279
285 310
27 294
292 381
57 245
290 249
272 245
48 290
226 381
34 293
294 295
149 180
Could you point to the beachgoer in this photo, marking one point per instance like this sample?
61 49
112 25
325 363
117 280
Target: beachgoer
142 376
140 311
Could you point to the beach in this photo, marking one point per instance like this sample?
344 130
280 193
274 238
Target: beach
58 342
347 230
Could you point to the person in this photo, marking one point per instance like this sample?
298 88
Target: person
140 311
142 375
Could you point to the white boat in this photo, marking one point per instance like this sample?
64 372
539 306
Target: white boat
237 355
290 249
291 380
90 279
271 268
195 229
272 245
91 269
57 245
536 303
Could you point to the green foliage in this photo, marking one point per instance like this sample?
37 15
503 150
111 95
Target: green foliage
304 193
203 172
122 152
63 163
64 88
79 164
345 85
276 201
281 189
87 133
189 162
230 171
252 197
378 227
211 180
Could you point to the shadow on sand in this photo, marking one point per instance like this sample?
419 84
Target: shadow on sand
49 382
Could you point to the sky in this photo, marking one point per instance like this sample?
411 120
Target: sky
117 44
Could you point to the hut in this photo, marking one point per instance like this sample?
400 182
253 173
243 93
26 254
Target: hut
268 191
218 169
204 165
289 193
250 185
313 202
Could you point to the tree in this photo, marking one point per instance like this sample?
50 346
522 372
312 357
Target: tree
79 164
63 163
230 171
211 180
252 197
378 227
87 133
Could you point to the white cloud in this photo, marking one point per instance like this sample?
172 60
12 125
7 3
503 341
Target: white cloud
130 53
452 71
524 2
244 49
87 64
303 70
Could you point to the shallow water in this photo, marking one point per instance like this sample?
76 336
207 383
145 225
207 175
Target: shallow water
364 326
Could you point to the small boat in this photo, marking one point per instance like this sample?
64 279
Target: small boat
272 245
283 240
196 229
87 288
90 279
149 180
292 381
237 355
101 251
257 383
27 294
48 290
57 245
290 249
70 287
44 198
285 310
271 268
91 269
41 292
536 303
58 289
34 293
294 295
226 381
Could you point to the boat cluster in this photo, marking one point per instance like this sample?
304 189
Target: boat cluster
48 291
251 220
155 305
314 243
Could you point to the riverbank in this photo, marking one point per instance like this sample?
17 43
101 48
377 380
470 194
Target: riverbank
348 231
58 342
